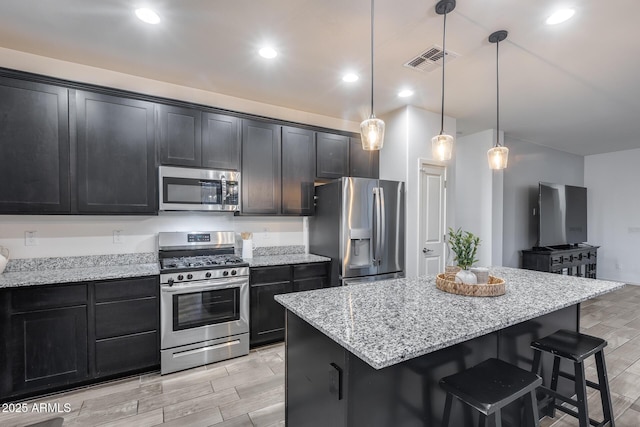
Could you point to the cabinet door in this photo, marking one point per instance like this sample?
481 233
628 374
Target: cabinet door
332 155
220 142
362 163
116 154
298 160
260 168
34 153
267 315
309 284
180 135
49 348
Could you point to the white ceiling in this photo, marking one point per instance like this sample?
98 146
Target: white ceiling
573 86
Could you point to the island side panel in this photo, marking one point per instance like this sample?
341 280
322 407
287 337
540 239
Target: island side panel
315 391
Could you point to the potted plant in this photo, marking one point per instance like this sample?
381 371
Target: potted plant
464 245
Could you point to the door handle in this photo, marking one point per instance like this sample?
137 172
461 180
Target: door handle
426 251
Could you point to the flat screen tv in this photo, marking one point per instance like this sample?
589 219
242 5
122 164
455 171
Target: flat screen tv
562 214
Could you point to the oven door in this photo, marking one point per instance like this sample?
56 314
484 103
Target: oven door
198 189
201 311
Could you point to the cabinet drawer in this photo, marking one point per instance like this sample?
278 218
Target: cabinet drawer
126 317
556 260
281 273
127 289
127 353
304 271
40 297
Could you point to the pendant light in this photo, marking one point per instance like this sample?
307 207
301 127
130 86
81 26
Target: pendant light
442 144
372 129
499 154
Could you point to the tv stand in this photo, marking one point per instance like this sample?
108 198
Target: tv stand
573 260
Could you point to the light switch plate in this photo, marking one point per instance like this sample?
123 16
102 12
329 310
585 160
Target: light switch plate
117 236
30 238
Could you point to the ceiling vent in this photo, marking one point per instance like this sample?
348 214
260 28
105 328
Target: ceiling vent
430 59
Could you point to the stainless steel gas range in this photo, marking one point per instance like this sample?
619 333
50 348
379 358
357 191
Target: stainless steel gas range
204 299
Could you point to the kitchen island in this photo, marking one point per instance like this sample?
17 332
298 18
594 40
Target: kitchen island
372 354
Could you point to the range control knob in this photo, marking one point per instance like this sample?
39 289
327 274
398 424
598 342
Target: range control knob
170 282
207 274
180 277
189 276
233 272
225 273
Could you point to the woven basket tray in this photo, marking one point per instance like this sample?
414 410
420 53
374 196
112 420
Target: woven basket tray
495 287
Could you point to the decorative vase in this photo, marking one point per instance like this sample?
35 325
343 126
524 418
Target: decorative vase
466 276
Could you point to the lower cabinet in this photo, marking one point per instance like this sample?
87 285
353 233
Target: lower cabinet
57 336
267 315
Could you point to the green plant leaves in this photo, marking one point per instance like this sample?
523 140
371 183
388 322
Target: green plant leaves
464 245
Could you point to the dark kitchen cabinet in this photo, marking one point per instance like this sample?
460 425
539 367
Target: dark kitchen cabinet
115 144
34 153
363 163
261 176
267 315
126 325
298 163
54 337
332 155
220 142
195 138
180 135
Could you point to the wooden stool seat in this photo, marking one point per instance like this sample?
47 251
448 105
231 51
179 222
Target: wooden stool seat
489 386
570 345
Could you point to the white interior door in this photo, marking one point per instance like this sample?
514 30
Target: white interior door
432 254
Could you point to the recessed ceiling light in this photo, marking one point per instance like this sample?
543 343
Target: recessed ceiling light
350 77
268 52
147 15
405 93
560 16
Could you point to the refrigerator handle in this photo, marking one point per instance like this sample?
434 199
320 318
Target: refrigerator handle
377 214
383 220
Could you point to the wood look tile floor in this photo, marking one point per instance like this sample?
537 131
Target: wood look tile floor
249 391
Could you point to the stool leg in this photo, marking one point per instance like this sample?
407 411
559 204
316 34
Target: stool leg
531 409
498 417
535 368
447 410
551 409
482 422
581 393
605 395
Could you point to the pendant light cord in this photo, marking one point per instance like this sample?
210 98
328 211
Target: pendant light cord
497 96
372 8
444 54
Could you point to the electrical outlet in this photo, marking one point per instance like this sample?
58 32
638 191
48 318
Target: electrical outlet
30 238
117 236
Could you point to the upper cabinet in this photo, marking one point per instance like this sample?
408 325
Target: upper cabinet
260 180
115 144
191 137
298 165
332 155
362 163
34 158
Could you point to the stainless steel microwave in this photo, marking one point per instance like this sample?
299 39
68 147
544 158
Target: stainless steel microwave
187 189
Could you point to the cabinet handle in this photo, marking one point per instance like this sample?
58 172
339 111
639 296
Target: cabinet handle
335 380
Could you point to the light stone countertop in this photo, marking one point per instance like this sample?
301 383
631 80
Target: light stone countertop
270 260
388 322
72 275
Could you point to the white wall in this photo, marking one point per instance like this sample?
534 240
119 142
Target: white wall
407 140
479 195
613 200
71 235
529 164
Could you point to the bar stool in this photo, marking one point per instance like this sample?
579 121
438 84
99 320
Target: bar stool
488 387
575 347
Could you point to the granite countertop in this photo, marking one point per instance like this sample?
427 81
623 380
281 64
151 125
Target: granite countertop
284 259
71 275
387 322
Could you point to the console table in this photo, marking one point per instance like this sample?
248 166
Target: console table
573 260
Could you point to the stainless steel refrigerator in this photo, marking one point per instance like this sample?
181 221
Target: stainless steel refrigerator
359 224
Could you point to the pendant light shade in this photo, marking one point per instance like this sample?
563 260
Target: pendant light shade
372 129
498 156
442 144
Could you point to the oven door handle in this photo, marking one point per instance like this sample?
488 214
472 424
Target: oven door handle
212 285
